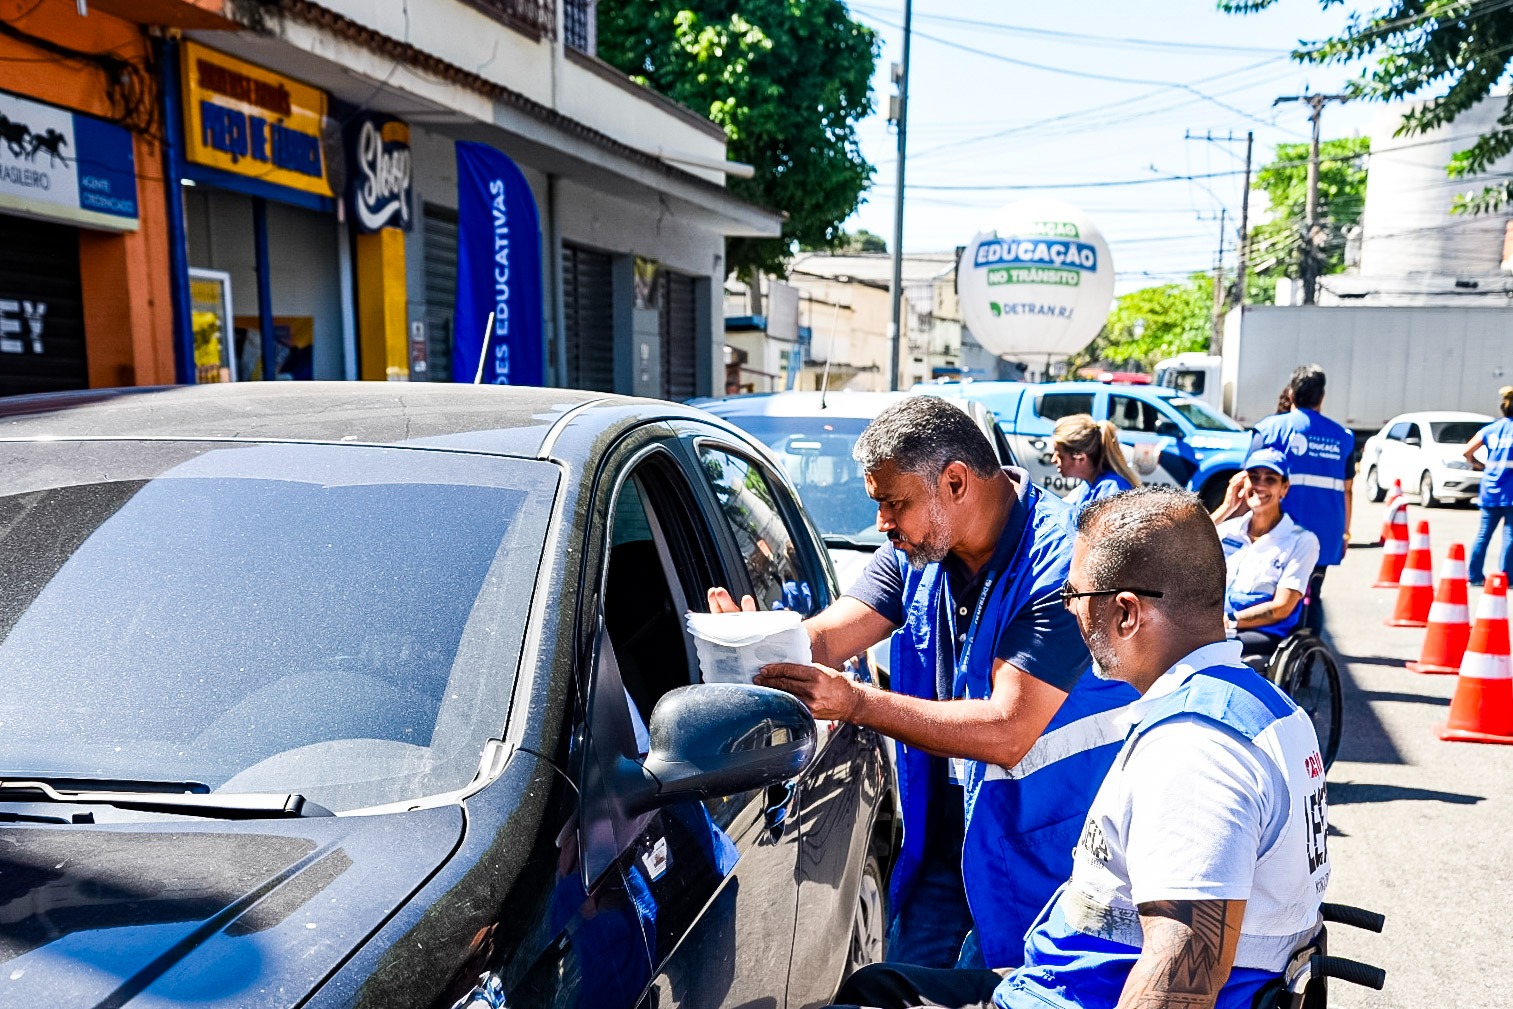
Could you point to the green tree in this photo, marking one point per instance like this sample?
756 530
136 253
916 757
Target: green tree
848 243
786 79
1154 323
1342 196
1455 49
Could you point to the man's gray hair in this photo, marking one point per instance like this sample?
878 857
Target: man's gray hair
1159 538
923 435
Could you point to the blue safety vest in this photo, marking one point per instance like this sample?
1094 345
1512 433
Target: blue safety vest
1497 478
1109 483
1020 831
1318 456
1068 968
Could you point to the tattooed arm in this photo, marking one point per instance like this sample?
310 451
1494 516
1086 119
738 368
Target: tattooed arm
1188 951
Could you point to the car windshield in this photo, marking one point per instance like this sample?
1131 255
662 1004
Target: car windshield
816 452
344 622
1455 432
1200 415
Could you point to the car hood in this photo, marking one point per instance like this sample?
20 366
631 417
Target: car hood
248 914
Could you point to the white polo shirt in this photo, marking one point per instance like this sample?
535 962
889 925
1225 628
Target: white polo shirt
1283 558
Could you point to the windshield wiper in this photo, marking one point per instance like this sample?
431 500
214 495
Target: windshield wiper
850 542
222 805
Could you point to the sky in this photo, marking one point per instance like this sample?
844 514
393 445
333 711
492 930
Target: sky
1007 93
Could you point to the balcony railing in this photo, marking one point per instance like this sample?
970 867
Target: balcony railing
580 24
534 17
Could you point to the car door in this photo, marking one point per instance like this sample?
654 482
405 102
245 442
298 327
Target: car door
838 796
1151 438
1037 419
1414 460
1392 462
712 880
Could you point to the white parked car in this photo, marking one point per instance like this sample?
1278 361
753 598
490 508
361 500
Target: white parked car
1426 452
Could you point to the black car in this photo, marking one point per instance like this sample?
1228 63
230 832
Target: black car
375 695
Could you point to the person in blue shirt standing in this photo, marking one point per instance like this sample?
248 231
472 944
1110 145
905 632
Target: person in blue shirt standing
1089 450
1003 730
1496 495
1321 463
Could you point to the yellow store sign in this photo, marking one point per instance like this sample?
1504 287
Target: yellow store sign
243 119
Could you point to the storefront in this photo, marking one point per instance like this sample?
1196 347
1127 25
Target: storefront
268 262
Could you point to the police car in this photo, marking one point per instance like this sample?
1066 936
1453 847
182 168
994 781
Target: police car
1168 437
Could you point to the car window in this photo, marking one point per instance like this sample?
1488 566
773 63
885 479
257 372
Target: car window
1131 414
1190 382
1455 432
1412 432
343 622
768 547
1398 432
1200 415
1056 405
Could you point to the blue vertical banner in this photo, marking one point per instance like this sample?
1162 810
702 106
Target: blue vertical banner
498 270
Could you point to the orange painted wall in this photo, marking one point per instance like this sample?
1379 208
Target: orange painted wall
128 317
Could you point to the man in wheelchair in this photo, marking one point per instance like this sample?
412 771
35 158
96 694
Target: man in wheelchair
1269 559
1200 873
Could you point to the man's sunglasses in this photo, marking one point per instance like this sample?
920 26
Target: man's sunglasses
1067 595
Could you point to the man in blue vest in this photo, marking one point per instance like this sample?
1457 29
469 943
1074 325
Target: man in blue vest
1203 860
1003 732
1321 464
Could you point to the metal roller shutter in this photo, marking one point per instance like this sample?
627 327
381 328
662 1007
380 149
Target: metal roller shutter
440 247
41 308
680 337
588 309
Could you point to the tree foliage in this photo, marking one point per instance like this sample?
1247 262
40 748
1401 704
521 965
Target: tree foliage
787 80
1342 196
1154 323
1459 47
849 243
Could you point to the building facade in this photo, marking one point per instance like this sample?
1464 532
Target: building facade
301 213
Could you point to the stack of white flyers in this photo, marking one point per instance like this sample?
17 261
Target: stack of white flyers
733 647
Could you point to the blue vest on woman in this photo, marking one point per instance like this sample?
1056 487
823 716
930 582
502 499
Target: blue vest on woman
1021 823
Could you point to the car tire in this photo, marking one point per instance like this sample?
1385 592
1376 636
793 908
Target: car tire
1426 491
869 923
1374 488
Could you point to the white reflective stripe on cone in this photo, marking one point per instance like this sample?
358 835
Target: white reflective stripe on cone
1455 570
1485 667
1449 613
1396 546
1415 577
1492 608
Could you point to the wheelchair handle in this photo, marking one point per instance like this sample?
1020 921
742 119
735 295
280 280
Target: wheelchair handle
1357 917
1353 971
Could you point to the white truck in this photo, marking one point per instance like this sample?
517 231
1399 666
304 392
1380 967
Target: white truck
1381 361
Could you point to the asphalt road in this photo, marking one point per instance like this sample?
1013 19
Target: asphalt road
1420 830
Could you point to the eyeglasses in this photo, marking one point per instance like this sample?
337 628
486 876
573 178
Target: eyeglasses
1067 595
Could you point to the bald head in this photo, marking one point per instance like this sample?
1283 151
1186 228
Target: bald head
1157 538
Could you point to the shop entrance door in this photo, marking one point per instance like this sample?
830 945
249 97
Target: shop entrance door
41 308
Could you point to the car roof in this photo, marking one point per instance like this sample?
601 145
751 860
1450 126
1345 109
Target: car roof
499 420
1434 416
840 403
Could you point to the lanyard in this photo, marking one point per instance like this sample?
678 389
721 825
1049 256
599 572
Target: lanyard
964 655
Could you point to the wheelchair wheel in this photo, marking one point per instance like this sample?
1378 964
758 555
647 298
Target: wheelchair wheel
1306 670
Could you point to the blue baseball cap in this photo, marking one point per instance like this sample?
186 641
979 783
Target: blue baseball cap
1267 458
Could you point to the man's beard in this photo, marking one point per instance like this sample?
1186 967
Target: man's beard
1105 660
935 545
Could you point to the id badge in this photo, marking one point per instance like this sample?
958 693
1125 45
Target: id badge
958 771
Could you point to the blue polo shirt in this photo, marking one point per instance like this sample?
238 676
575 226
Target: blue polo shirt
1320 458
1497 477
1109 482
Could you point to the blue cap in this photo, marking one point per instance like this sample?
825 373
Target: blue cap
1267 458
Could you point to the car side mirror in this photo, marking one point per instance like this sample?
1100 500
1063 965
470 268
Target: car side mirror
717 739
1413 439
1168 429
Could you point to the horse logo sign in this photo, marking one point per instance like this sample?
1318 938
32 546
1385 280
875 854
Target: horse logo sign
61 165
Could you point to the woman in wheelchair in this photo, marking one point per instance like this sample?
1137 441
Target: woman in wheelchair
1269 559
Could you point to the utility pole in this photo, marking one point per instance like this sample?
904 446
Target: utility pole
900 117
1242 244
1216 325
1308 266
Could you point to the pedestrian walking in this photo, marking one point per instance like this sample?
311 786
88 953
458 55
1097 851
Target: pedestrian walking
1321 467
1201 867
1003 730
1089 450
1496 495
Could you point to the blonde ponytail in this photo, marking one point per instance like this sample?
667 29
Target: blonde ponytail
1080 434
1113 453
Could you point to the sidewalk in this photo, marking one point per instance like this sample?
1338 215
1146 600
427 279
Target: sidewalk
1420 830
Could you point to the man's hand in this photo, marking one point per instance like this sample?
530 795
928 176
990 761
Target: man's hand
829 694
721 601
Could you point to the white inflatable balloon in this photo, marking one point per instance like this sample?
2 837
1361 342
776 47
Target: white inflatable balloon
1040 283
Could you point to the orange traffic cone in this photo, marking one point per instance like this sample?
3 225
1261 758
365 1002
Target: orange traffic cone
1482 710
1449 619
1395 550
1394 495
1415 594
